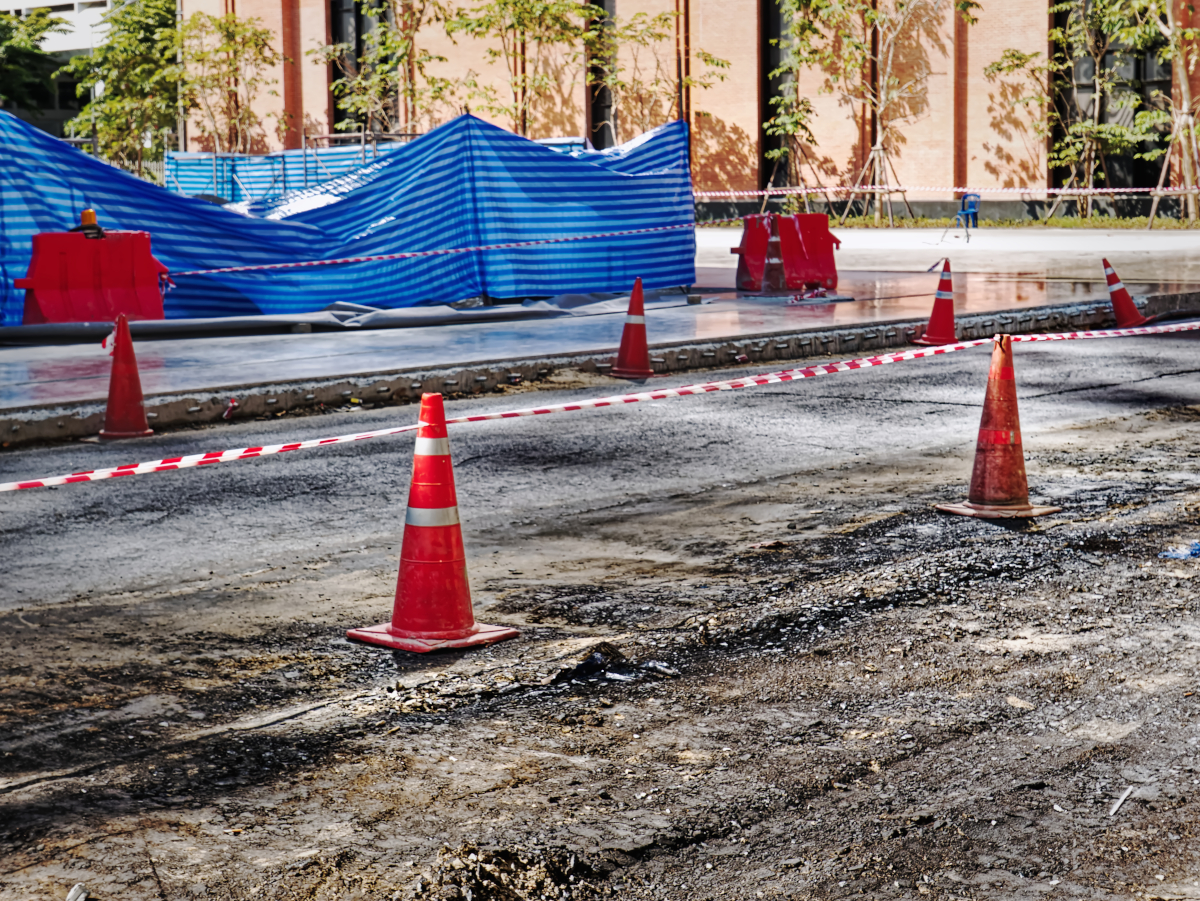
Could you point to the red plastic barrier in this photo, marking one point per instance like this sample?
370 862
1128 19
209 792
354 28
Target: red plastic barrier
76 278
752 254
807 246
782 253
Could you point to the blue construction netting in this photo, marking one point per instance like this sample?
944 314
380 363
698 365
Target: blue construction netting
466 184
237 178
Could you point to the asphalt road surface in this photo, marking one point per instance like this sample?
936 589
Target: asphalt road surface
516 477
753 661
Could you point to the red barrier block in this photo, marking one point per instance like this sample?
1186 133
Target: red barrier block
77 278
786 253
807 246
752 254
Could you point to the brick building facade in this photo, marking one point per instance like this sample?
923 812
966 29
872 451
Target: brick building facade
963 129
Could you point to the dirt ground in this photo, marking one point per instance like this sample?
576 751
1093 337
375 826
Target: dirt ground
816 687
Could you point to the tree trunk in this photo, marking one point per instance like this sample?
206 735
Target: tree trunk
1090 155
1185 124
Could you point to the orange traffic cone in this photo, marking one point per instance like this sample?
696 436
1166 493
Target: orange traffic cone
125 415
1123 306
433 600
941 328
633 359
999 489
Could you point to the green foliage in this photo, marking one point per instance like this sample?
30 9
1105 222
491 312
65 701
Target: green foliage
629 58
1153 23
227 61
520 34
1104 32
134 82
388 86
1092 32
25 69
1035 74
792 115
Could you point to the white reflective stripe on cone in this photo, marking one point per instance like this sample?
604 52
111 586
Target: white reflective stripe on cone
1115 286
440 516
432 447
1108 270
635 320
944 295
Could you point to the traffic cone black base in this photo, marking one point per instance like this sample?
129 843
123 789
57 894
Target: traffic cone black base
387 636
985 511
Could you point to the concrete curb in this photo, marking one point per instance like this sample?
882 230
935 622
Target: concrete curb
73 421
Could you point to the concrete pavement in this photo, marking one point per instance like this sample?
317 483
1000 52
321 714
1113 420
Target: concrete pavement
1033 252
58 391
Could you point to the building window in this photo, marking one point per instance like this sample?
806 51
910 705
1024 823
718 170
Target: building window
350 24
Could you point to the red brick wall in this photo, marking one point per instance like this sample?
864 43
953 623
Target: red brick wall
1002 147
962 128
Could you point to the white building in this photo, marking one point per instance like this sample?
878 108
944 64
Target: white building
87 30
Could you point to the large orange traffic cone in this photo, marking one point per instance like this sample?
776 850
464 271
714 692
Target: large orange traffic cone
433 600
633 359
1123 306
125 415
941 329
999 489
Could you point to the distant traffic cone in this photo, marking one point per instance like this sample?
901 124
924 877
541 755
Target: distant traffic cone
941 329
433 600
125 415
999 489
1123 306
633 359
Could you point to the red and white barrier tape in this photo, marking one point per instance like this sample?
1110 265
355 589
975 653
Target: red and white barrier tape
1113 332
753 381
246 453
448 251
937 189
170 463
771 378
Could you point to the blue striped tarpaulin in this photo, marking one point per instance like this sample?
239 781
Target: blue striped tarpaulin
240 178
465 184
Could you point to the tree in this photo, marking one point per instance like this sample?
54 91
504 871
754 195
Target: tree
873 58
627 58
26 69
1087 128
791 123
133 80
226 62
1177 44
1092 31
519 33
388 87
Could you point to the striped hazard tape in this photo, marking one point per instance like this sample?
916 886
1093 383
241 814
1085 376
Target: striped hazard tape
247 453
1114 332
753 381
937 189
408 255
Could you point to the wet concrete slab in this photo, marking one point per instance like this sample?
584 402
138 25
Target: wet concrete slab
65 374
1031 252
